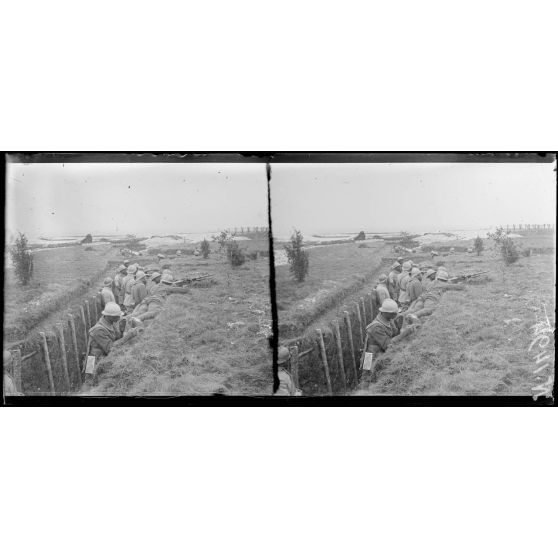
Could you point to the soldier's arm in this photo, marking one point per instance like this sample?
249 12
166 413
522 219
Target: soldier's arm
104 340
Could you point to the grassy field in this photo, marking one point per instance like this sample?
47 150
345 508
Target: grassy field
211 340
59 275
477 341
334 272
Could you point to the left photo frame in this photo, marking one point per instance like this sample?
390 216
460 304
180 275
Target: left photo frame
136 276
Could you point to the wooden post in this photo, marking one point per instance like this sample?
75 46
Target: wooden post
294 364
360 328
369 295
85 328
365 323
63 355
47 362
88 313
374 305
94 310
324 360
351 344
16 354
72 322
337 334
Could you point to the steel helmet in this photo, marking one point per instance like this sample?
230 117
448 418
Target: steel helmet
395 265
442 274
132 269
121 267
112 309
140 275
389 306
126 262
415 271
107 282
155 275
160 255
430 272
283 355
382 278
407 266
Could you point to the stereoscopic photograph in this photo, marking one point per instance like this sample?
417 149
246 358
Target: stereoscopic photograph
136 279
286 276
416 278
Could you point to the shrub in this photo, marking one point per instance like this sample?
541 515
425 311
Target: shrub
88 239
479 245
360 236
22 258
235 254
508 249
205 248
298 257
223 238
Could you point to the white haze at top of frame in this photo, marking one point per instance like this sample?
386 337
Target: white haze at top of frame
71 199
415 197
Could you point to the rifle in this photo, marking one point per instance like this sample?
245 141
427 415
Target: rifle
466 277
191 280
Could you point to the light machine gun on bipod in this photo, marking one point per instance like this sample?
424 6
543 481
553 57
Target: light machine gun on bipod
466 277
194 280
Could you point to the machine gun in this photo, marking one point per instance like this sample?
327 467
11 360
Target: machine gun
465 278
186 281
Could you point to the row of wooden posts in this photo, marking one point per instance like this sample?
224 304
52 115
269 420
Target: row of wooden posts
355 349
70 368
522 227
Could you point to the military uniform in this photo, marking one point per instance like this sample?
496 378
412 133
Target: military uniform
402 281
101 337
107 294
286 384
414 289
392 284
139 292
382 293
380 333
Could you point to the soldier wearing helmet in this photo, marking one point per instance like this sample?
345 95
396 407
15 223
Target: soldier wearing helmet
127 284
403 278
434 284
414 286
117 283
155 280
286 383
106 291
392 280
106 333
139 288
385 329
382 291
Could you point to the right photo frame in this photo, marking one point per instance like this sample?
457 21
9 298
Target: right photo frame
415 275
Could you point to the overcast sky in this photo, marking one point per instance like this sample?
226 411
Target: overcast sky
142 198
321 198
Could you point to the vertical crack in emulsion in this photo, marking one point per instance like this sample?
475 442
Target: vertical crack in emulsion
274 324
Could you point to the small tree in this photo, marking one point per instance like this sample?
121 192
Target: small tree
235 254
479 245
508 249
22 259
297 256
205 248
223 238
